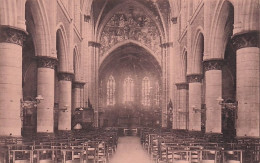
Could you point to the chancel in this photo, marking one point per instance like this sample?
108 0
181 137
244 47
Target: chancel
129 81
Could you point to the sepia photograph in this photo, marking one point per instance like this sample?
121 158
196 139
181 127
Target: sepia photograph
129 81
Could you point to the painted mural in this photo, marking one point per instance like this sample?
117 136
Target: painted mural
130 24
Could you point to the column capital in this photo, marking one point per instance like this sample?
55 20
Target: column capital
78 84
47 62
174 20
166 45
194 78
66 76
9 34
94 44
213 64
87 18
182 86
246 39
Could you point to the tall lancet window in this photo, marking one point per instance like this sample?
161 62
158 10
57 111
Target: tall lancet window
111 87
128 90
157 93
146 91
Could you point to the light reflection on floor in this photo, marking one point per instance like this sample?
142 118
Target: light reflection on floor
129 150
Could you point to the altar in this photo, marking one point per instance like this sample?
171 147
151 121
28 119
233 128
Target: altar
130 131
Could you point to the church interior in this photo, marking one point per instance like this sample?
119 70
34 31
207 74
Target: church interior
129 81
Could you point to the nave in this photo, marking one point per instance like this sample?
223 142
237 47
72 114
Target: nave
129 150
143 145
184 75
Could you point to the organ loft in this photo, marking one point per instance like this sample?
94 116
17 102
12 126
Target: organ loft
129 81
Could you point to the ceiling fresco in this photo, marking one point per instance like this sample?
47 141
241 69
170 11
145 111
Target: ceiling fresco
130 24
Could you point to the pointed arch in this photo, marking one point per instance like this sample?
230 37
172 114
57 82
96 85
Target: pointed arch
135 4
42 27
76 62
221 29
62 49
184 64
107 54
196 58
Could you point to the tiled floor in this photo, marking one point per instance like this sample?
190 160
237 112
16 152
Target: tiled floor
129 150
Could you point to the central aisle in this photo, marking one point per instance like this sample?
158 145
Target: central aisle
129 150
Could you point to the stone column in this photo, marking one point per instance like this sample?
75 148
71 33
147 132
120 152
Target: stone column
195 93
77 96
213 77
165 81
182 110
11 41
248 83
64 120
82 101
45 87
94 82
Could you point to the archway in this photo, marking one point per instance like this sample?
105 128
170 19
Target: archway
195 78
29 74
217 72
134 94
130 22
229 114
63 82
124 25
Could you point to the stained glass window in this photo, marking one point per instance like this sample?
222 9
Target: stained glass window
111 91
146 91
128 90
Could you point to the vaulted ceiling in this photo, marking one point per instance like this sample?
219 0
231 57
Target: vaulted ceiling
133 58
159 8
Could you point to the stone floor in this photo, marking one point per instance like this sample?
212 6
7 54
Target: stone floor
129 150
